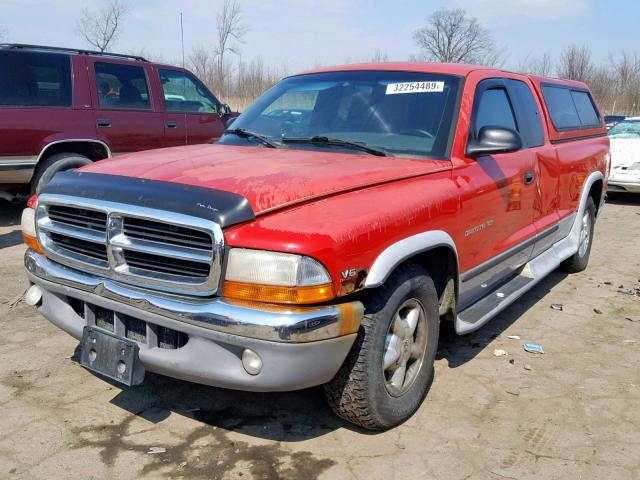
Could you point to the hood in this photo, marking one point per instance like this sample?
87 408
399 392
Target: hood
625 152
268 178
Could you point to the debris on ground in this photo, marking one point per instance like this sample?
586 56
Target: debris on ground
498 352
597 311
527 367
157 450
512 361
634 292
514 337
15 300
513 392
632 319
533 348
556 306
608 283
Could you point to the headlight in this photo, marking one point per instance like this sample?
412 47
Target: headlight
28 226
276 277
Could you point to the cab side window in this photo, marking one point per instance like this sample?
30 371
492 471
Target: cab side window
494 109
121 87
183 94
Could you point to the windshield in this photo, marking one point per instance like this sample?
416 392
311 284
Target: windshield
625 129
398 113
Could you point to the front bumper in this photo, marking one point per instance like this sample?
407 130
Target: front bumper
299 347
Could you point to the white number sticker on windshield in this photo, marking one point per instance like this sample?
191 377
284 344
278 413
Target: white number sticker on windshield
415 87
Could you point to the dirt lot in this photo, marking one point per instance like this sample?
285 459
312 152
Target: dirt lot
570 413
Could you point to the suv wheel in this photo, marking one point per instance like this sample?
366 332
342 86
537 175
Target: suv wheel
389 369
579 261
59 162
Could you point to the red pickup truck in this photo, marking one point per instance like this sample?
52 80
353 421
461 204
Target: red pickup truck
324 238
63 108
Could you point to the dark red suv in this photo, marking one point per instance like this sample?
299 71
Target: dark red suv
63 108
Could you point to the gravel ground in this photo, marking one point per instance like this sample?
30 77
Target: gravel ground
571 413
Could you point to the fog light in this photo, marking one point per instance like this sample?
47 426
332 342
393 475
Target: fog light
251 362
33 295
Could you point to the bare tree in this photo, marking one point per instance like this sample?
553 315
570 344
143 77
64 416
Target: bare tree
537 65
202 62
575 63
230 33
452 36
101 28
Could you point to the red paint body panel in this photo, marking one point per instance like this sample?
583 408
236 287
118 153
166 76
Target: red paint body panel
269 178
345 209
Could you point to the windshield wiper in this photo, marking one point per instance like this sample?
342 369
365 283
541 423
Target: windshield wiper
241 132
320 140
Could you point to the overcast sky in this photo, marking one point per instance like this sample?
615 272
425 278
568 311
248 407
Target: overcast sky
298 34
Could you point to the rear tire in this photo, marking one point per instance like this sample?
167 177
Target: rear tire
59 162
579 260
370 389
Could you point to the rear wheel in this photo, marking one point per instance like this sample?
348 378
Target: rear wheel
579 261
390 366
59 162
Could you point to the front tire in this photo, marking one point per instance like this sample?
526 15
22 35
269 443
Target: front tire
389 369
579 260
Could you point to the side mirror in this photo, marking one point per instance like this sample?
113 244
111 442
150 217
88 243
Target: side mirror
492 140
225 110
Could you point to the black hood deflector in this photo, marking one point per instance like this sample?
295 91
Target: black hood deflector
224 208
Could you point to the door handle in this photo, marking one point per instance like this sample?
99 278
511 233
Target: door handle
172 125
528 177
103 123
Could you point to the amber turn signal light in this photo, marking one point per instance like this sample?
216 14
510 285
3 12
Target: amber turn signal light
32 243
274 294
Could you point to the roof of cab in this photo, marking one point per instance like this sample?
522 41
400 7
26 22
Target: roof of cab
459 69
444 68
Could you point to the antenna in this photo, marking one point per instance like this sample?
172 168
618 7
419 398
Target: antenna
182 37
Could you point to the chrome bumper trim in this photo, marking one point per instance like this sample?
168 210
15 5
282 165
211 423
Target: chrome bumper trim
265 322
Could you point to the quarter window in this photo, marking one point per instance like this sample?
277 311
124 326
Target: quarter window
585 108
494 109
184 94
570 109
34 79
121 87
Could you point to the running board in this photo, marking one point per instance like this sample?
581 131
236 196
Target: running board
476 315
482 311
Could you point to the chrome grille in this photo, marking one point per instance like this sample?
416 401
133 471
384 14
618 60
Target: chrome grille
78 218
174 266
80 247
141 246
168 234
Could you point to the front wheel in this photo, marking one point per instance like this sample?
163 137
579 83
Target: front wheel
389 369
579 261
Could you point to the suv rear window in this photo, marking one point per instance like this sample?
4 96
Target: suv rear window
34 79
121 87
570 109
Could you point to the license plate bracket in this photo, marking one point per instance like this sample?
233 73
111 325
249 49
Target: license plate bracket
111 356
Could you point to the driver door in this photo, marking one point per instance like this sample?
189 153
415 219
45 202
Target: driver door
497 200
